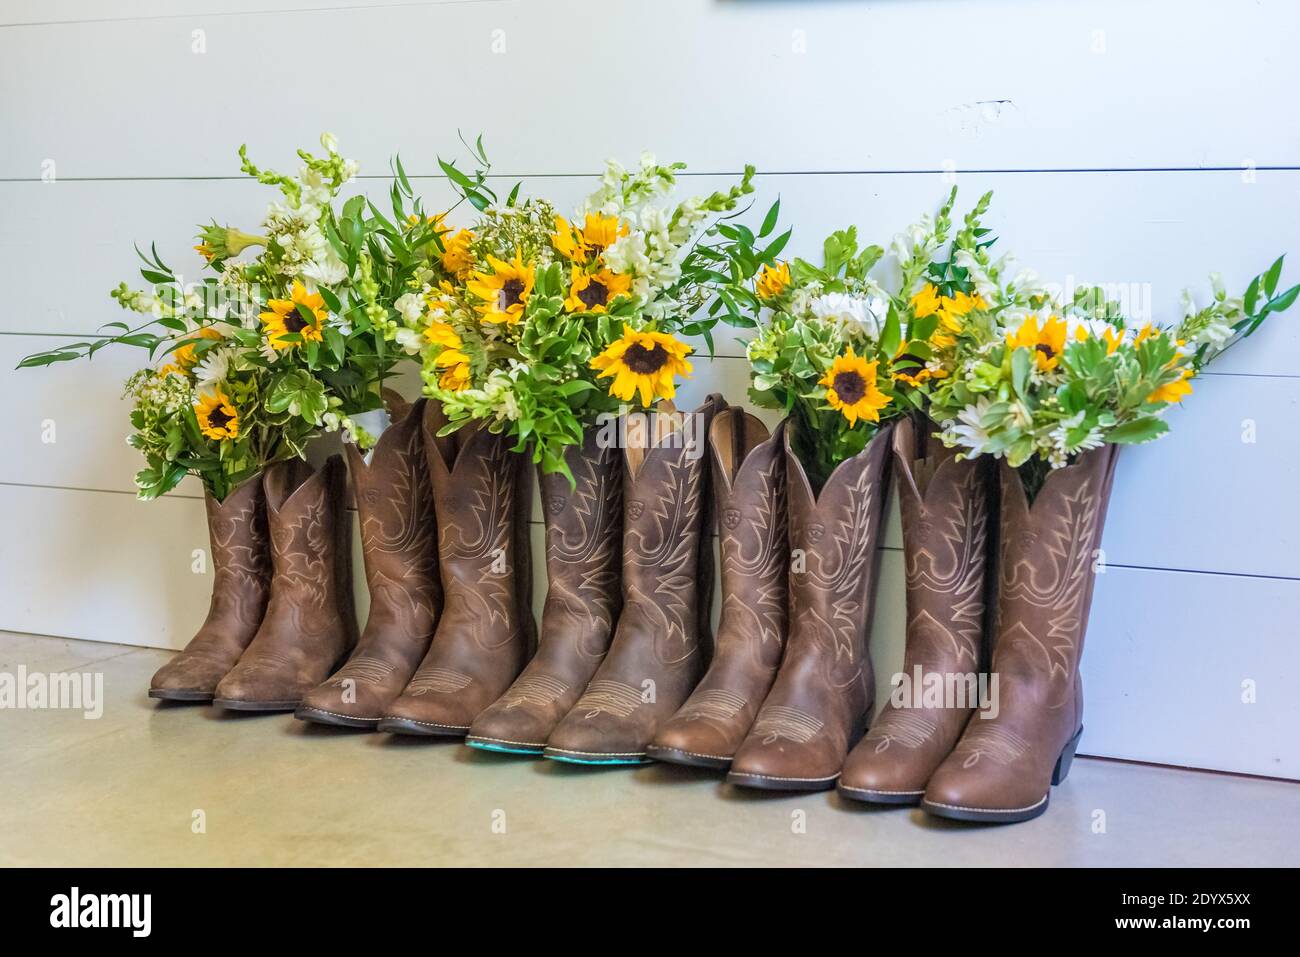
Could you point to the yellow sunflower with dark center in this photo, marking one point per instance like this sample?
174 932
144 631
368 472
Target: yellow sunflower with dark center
601 232
504 290
302 313
593 292
772 281
916 369
1046 341
851 388
217 417
644 362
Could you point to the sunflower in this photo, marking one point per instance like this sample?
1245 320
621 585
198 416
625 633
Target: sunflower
1046 341
645 362
456 258
288 316
217 416
772 281
567 240
504 291
184 359
1173 392
926 302
601 232
594 292
451 359
851 388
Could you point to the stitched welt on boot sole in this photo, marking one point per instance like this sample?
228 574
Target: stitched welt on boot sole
770 782
334 719
876 796
956 812
693 759
173 694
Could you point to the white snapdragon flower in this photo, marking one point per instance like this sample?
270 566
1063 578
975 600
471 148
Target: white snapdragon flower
628 254
410 306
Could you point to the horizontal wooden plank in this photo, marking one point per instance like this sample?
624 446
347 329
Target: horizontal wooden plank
790 86
1141 234
1197 499
50 12
1162 687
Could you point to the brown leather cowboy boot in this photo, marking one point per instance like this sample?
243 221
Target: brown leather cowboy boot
749 485
661 642
945 511
400 547
310 623
1002 768
821 700
584 533
481 494
241 585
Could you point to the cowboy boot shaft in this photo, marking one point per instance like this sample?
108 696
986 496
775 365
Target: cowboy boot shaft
478 498
821 700
753 544
834 537
583 527
944 506
399 544
240 547
1046 574
749 485
241 561
583 598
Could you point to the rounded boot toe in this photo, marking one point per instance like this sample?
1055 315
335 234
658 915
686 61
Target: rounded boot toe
601 739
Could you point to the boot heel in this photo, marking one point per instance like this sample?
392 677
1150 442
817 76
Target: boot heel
1067 757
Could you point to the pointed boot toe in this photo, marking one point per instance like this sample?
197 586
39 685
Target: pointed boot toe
782 766
188 677
599 737
870 777
693 744
513 730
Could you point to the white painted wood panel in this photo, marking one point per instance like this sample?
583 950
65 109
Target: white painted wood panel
1054 85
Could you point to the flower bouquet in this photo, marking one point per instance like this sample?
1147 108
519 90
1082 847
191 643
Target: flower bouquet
262 354
1052 389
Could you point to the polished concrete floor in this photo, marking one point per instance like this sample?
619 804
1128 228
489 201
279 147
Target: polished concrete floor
127 788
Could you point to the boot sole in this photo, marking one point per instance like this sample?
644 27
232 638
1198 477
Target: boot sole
232 704
593 757
766 782
423 729
1010 815
193 697
505 748
688 758
869 796
317 716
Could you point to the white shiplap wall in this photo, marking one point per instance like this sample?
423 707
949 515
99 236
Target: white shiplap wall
1127 142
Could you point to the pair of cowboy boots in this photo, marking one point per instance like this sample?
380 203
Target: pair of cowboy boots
625 630
791 688
444 535
995 763
281 615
